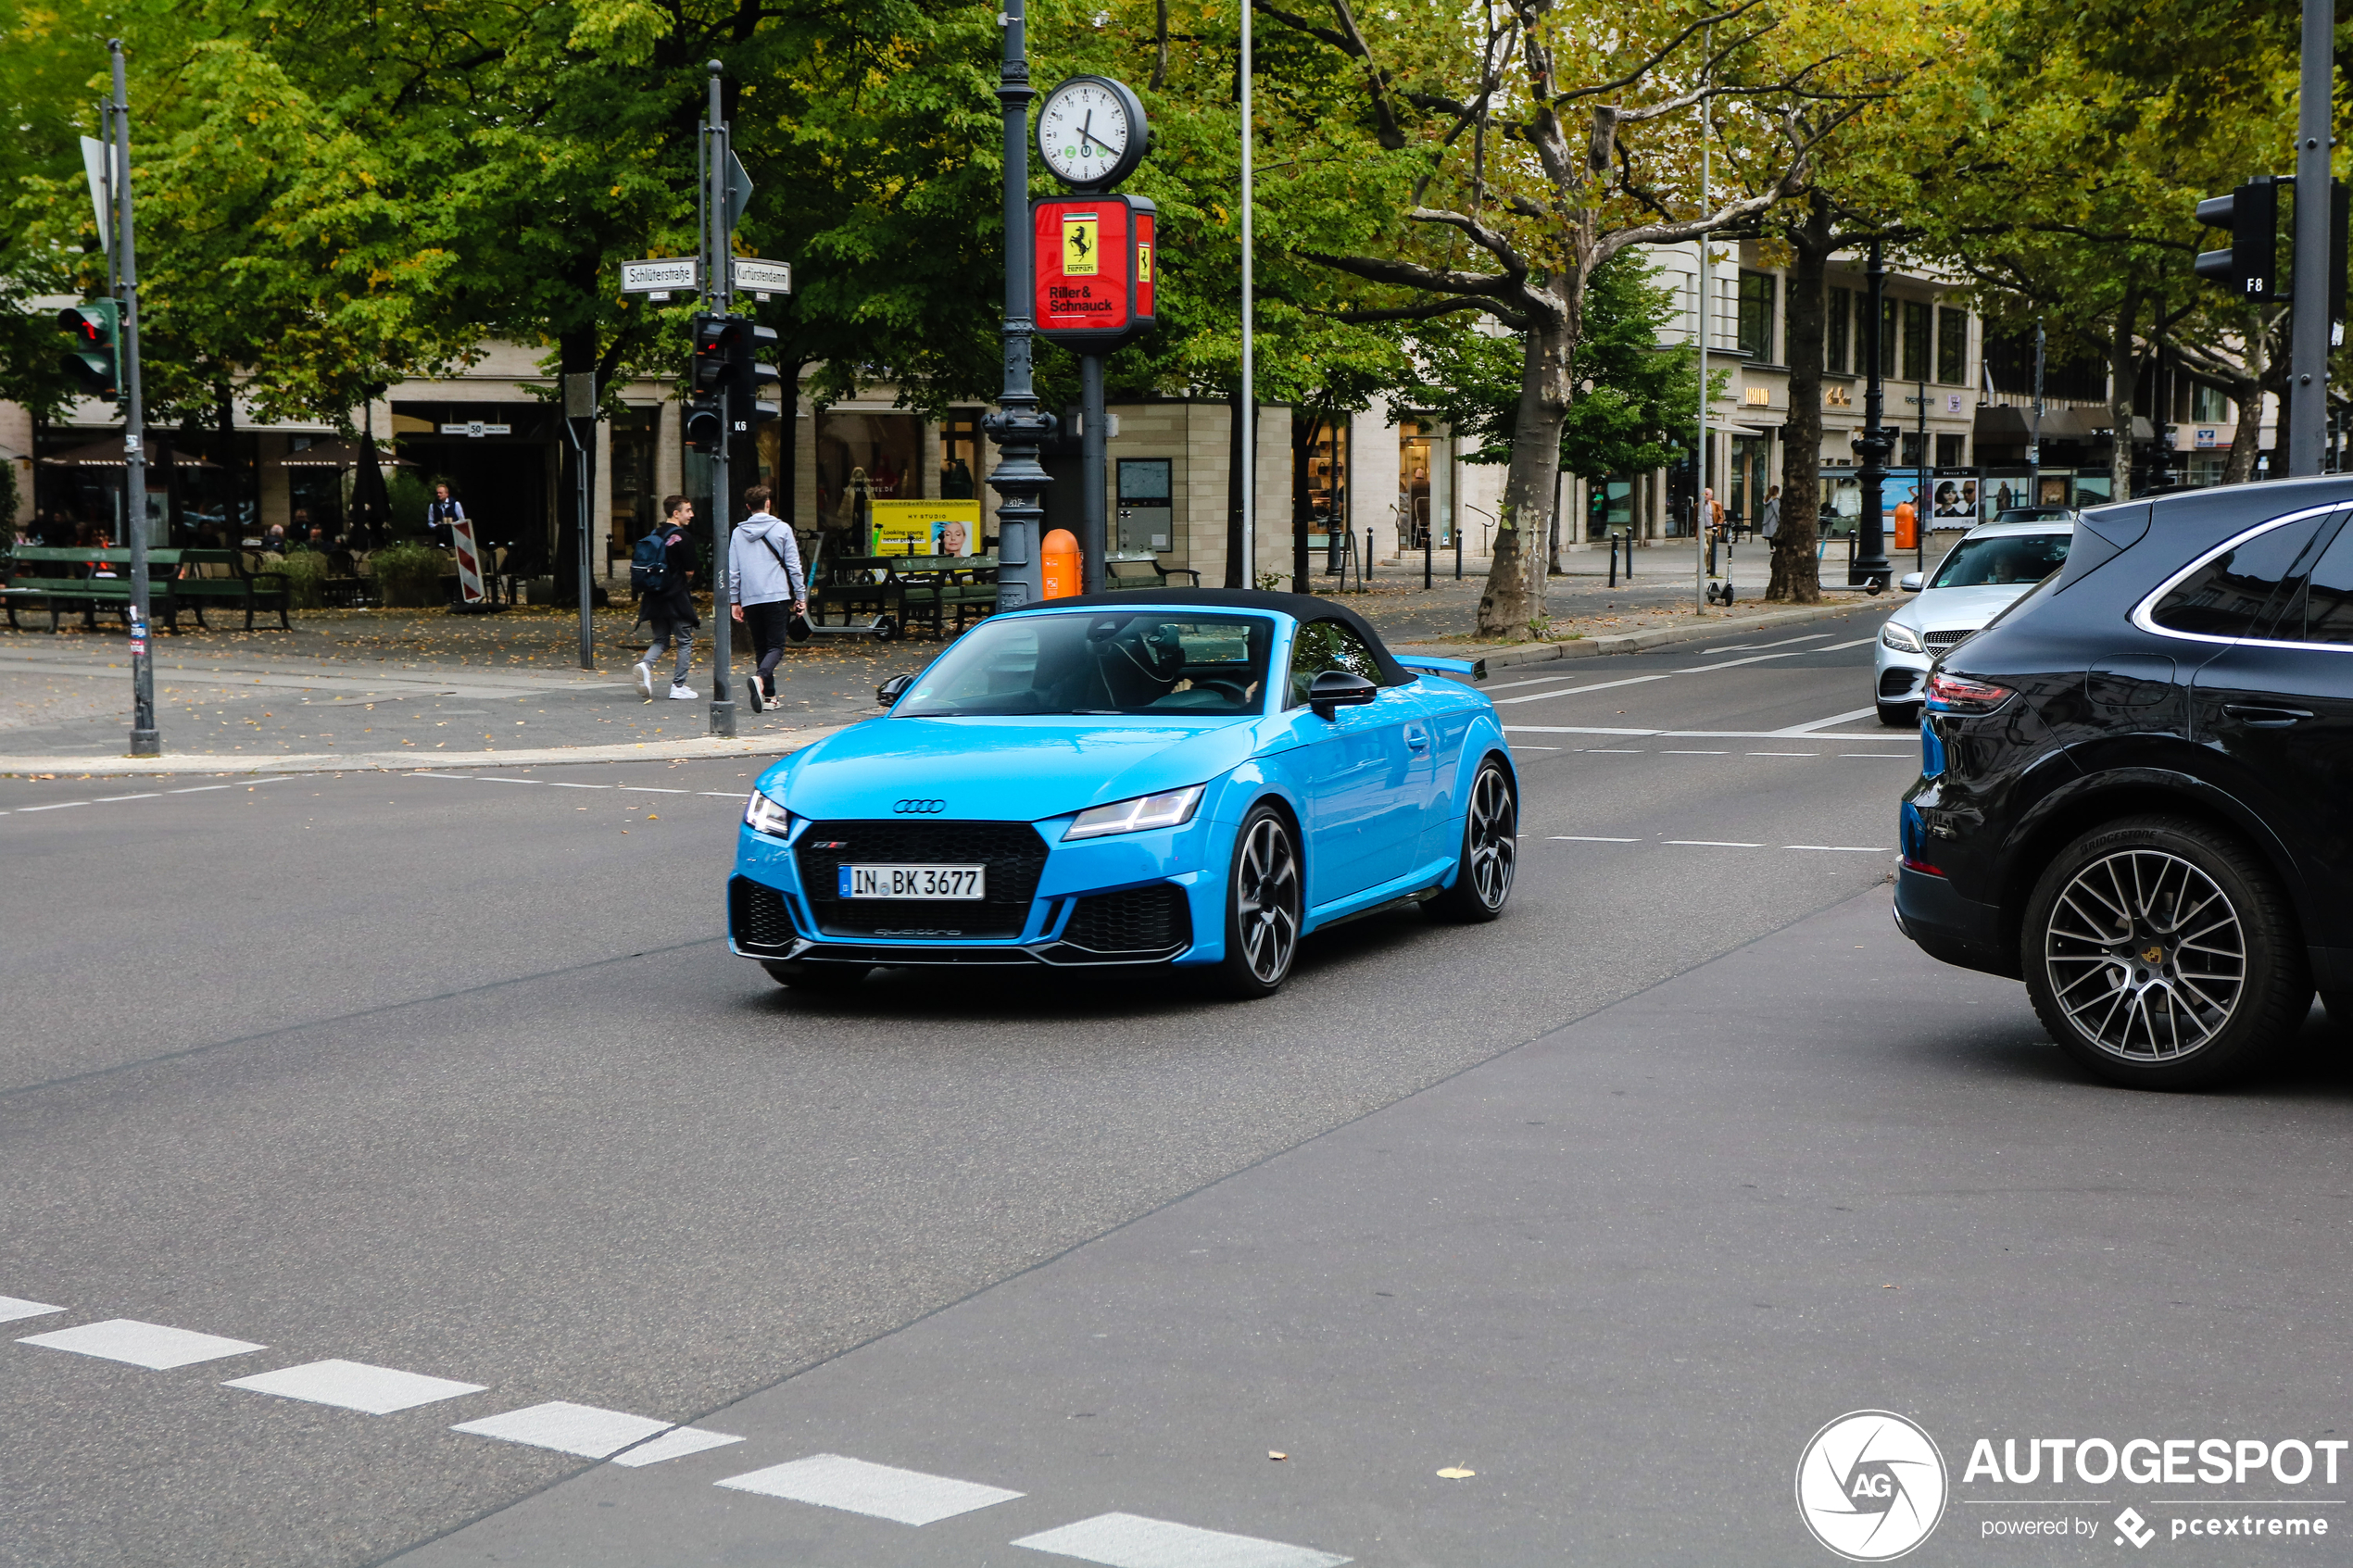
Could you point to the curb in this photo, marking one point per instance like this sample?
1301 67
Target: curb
764 746
1634 642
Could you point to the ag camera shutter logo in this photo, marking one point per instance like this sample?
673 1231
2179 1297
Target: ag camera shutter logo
1871 1486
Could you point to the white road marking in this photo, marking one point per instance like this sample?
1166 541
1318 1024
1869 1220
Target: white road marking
1591 838
722 794
1712 842
1761 658
1129 1540
1826 723
1674 734
1667 752
1618 750
14 1307
198 789
676 1443
1525 747
1752 647
565 783
489 778
1785 754
58 806
654 789
1574 729
1533 681
355 1385
1579 691
1899 756
149 1345
110 799
567 1428
1843 848
878 1491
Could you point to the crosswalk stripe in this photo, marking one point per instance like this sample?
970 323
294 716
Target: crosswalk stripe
150 1345
13 1307
354 1386
1129 1540
567 1428
676 1443
878 1491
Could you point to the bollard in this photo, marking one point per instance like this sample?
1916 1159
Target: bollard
1427 543
1613 561
1458 552
1369 556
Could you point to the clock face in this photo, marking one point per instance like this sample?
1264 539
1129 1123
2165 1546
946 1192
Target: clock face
1082 132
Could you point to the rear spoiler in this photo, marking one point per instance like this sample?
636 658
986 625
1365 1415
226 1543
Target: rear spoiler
1467 669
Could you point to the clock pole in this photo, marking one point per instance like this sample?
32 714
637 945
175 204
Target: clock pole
1018 426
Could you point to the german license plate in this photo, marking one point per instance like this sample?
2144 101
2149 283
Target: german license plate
913 882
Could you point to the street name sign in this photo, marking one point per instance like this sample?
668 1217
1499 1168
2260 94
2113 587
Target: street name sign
679 273
759 279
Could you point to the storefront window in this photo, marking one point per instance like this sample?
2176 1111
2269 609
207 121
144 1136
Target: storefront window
1838 316
1916 316
1842 503
1757 314
1951 451
632 503
1952 345
862 458
1422 474
1326 486
961 462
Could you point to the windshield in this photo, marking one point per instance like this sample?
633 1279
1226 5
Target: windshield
1148 661
2019 560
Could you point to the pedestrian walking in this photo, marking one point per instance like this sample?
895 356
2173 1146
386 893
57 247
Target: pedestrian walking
1770 518
662 570
765 588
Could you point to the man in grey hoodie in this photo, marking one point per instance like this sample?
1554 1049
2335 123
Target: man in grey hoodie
765 586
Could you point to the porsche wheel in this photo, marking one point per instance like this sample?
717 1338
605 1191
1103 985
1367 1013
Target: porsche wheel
1491 850
1264 904
2161 955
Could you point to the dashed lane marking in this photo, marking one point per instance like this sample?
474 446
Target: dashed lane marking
1756 647
567 1428
1785 754
1129 1540
1761 658
1843 848
1533 680
12 1308
149 1345
1712 842
1719 843
1579 691
1669 751
1834 720
355 1385
1591 838
878 1491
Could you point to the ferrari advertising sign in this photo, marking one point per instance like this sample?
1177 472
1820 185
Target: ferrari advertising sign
1093 288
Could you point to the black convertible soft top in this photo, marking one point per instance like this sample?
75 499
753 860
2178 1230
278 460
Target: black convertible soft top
1301 607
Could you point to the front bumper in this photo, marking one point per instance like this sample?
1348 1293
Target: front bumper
1132 898
1898 677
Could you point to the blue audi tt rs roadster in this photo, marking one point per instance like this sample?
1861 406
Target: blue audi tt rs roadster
1197 778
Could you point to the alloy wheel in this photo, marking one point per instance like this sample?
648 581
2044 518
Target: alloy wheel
2146 957
1267 900
1493 838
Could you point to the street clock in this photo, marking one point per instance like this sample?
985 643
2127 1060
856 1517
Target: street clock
1092 132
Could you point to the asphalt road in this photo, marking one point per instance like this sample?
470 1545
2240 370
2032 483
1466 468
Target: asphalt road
1612 1203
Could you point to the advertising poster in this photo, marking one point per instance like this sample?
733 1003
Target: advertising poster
926 528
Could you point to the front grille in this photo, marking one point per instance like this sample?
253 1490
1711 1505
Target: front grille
757 916
1896 683
1946 639
1140 919
1014 853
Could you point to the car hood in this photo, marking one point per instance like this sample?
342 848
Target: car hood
1958 610
1022 768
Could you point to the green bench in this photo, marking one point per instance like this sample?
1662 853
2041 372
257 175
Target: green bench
229 577
1142 568
935 585
67 577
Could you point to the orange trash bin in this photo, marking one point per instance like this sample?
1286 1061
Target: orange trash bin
1059 559
1907 527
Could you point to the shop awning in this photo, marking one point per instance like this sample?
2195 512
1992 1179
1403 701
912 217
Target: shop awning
336 455
107 454
2008 426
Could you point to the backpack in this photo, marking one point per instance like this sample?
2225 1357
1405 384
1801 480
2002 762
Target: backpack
649 563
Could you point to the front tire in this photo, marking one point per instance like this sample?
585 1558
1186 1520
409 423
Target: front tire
799 975
1490 853
1265 904
2161 955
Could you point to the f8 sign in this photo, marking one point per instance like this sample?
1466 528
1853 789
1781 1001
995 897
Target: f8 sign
1095 269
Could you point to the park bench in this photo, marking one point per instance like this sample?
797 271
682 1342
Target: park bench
66 577
936 586
1142 568
235 578
859 593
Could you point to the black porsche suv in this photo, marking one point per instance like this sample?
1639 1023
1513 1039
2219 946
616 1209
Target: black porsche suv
2136 787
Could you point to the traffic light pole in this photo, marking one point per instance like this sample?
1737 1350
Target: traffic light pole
718 287
2309 345
1018 425
145 741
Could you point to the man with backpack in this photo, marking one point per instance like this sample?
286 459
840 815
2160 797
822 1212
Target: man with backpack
766 588
661 569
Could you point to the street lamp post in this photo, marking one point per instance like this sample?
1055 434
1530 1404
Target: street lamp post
1869 564
1018 425
144 740
719 295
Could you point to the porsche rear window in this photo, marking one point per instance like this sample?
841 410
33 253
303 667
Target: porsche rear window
1150 662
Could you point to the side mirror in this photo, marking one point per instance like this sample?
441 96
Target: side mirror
1910 582
1335 689
890 691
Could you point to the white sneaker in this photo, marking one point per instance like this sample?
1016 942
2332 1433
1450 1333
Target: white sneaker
684 694
645 676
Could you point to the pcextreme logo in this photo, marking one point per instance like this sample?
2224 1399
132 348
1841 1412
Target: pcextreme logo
1870 1485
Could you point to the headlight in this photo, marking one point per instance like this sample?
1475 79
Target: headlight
763 815
1902 639
1170 809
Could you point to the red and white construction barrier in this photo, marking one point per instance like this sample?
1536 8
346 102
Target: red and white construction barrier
462 534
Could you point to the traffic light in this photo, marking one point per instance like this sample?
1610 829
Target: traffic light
2250 268
94 362
753 351
714 347
702 423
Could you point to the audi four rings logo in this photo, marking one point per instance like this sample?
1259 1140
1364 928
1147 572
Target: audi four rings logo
918 808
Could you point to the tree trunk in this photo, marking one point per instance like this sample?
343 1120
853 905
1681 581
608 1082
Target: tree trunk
2247 393
1797 573
1515 595
2123 367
